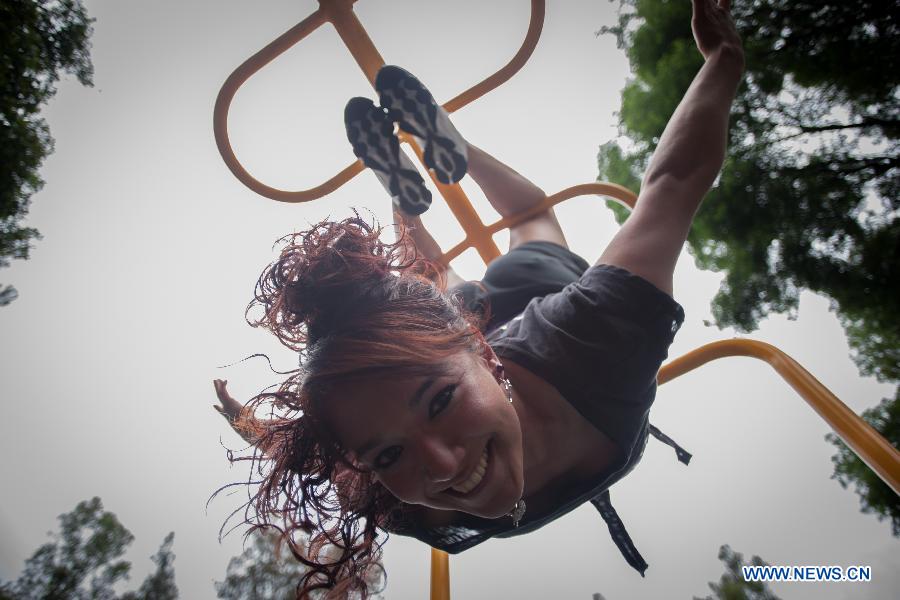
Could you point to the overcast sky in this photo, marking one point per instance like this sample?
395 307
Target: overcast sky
151 248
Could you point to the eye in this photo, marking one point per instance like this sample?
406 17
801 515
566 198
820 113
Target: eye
387 457
441 400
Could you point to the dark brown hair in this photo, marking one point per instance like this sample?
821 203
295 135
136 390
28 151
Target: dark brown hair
353 307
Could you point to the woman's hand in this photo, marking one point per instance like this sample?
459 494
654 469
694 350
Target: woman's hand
230 408
714 30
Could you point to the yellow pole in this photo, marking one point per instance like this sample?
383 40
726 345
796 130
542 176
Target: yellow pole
611 190
861 437
440 575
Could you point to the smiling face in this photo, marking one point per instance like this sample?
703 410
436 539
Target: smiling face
448 441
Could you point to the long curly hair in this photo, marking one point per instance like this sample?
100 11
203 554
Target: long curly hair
354 307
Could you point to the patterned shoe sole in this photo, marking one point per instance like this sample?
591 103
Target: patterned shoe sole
371 132
416 112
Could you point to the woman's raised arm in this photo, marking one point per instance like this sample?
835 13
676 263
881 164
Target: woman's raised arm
688 156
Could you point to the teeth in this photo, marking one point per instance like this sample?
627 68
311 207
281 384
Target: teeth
475 478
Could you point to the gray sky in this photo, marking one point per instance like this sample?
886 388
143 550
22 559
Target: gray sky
151 248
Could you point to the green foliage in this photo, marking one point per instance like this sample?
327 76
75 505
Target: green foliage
39 39
808 198
732 585
159 585
619 170
260 573
266 572
875 495
83 561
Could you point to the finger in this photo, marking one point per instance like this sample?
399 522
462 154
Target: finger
224 396
699 6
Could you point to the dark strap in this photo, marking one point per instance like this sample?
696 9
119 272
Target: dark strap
618 533
683 455
616 527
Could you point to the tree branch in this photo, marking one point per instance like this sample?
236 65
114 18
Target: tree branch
864 124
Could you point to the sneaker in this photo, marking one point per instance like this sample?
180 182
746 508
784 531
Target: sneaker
371 132
412 106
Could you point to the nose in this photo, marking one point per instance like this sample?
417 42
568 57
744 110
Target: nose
441 461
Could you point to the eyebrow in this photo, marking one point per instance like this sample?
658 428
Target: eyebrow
414 401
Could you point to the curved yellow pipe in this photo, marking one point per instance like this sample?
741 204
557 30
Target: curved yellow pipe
223 104
861 437
340 14
611 190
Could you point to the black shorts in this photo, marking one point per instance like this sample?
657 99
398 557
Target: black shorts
530 270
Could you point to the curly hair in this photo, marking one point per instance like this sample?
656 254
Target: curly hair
353 307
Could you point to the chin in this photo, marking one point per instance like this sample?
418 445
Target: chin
497 514
496 509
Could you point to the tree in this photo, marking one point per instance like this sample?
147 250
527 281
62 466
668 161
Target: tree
262 573
39 39
809 196
159 585
810 192
84 561
732 585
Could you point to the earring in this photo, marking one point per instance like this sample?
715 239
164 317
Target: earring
504 381
518 512
507 387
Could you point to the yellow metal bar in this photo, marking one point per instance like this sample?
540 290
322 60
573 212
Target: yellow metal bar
440 575
477 235
613 191
340 14
223 104
535 26
861 437
353 34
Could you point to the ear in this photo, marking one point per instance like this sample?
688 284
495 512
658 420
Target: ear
489 356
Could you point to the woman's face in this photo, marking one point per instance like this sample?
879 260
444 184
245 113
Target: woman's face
450 441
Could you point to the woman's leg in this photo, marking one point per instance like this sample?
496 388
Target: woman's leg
511 193
409 103
425 244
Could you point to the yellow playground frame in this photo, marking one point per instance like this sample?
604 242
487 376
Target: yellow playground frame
871 447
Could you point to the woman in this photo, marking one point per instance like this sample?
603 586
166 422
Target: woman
496 407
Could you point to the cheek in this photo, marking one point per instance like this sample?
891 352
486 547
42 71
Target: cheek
488 405
401 484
